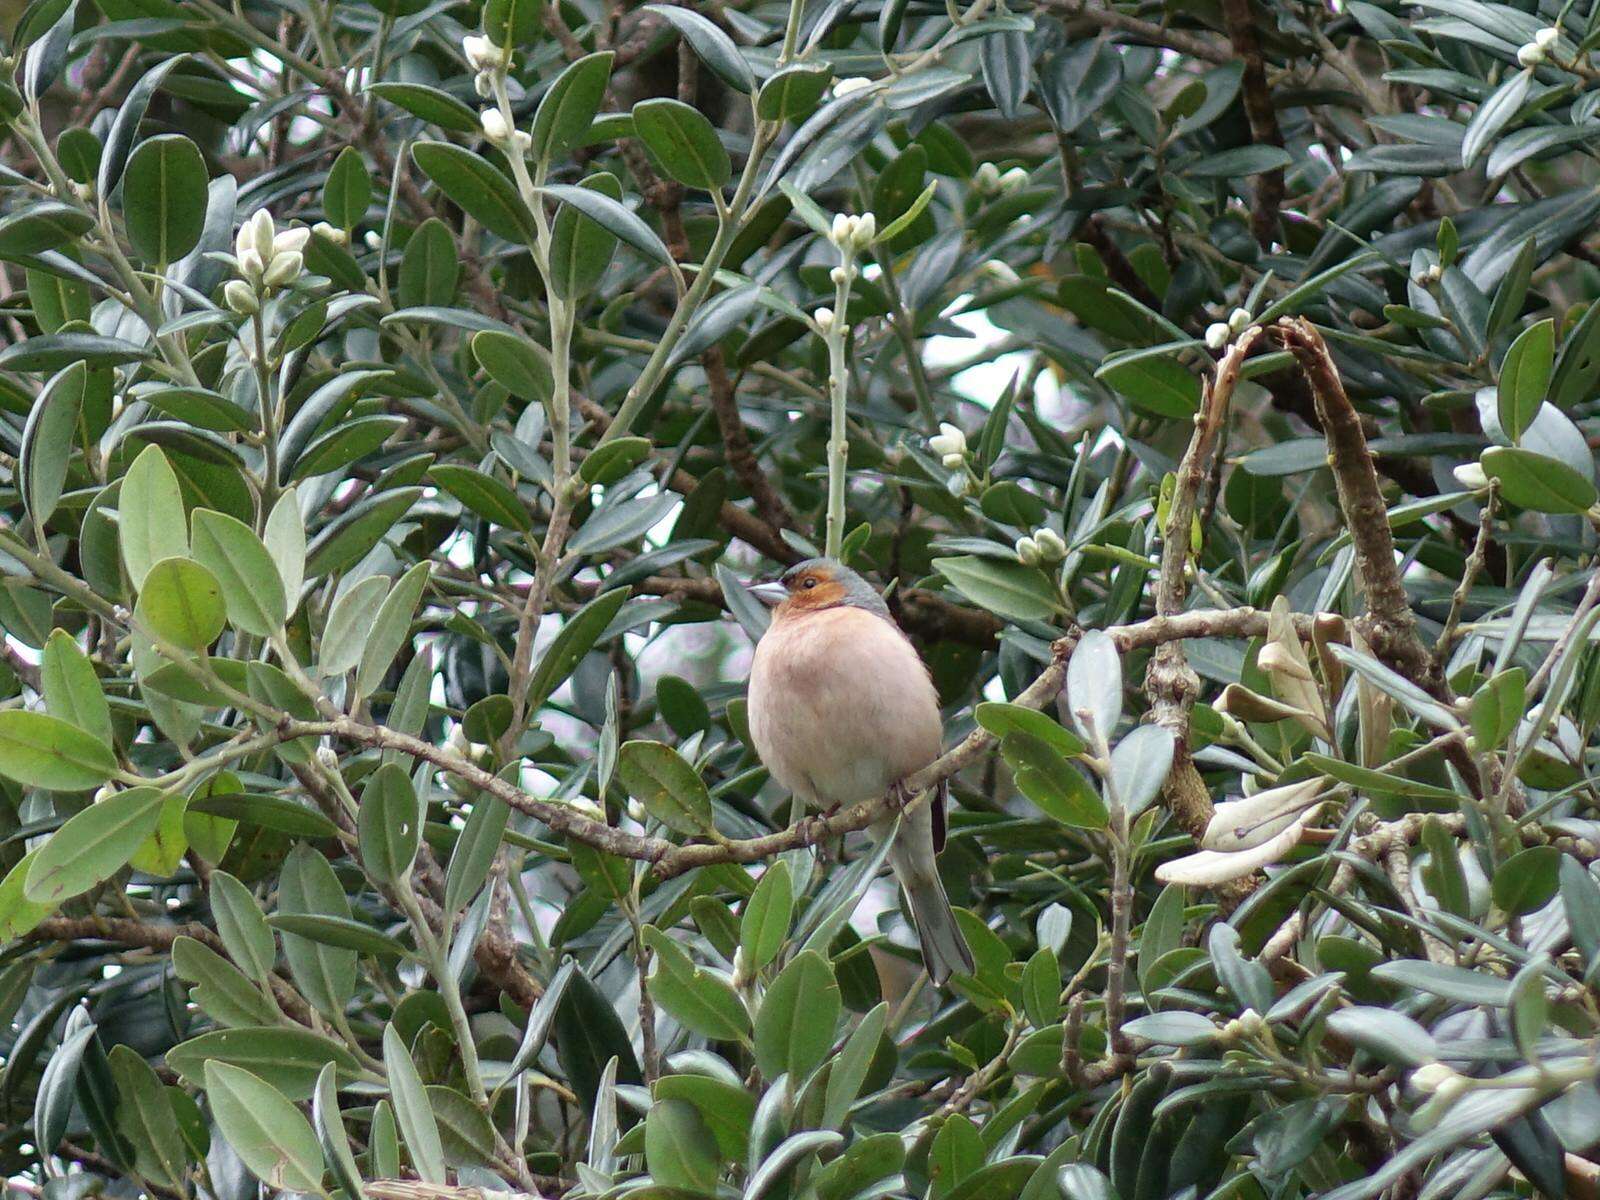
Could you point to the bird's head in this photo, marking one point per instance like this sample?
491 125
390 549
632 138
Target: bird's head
816 584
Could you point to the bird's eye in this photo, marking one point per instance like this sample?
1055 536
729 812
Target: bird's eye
809 583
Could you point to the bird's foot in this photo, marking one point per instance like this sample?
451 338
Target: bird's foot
899 796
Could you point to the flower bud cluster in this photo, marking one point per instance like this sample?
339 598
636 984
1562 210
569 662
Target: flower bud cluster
950 444
1041 547
851 233
266 259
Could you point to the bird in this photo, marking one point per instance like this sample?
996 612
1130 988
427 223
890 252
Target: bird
842 710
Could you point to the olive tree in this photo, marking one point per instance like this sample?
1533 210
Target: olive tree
397 397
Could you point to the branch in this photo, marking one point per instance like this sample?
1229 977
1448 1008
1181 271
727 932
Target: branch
741 456
1169 682
1263 116
1388 624
1145 31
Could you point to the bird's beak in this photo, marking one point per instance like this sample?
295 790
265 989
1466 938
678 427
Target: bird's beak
770 594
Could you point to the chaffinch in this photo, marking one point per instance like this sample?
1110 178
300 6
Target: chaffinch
842 710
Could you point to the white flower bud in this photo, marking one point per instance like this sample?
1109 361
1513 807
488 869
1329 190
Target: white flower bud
262 234
839 234
1531 55
330 233
291 240
521 141
1014 179
1000 272
285 268
1238 320
105 793
372 240
482 54
865 231
328 758
251 266
1430 1078
851 85
1471 476
1028 553
1547 37
987 178
1218 335
483 84
1051 546
842 275
824 319
1435 273
495 126
949 440
954 461
240 297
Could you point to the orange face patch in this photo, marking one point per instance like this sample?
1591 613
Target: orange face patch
812 589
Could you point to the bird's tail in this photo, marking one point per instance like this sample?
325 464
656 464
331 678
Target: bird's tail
944 950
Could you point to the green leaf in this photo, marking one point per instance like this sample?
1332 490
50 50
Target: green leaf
331 1136
1390 1036
150 517
288 1059
222 991
1054 784
47 225
577 637
430 268
243 927
1525 377
392 628
267 1132
72 690
793 93
1498 707
683 142
389 826
1527 881
680 1149
252 587
613 460
715 48
44 751
798 1014
513 362
146 1119
164 198
703 1003
580 251
418 1126
568 108
852 1066
670 790
481 189
18 915
767 913
1240 161
1154 384
93 845
483 494
475 850
1494 114
614 217
309 889
999 719
181 602
347 191
1536 482
47 441
1007 589
350 620
430 103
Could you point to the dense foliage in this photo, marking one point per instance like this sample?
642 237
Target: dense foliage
395 397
